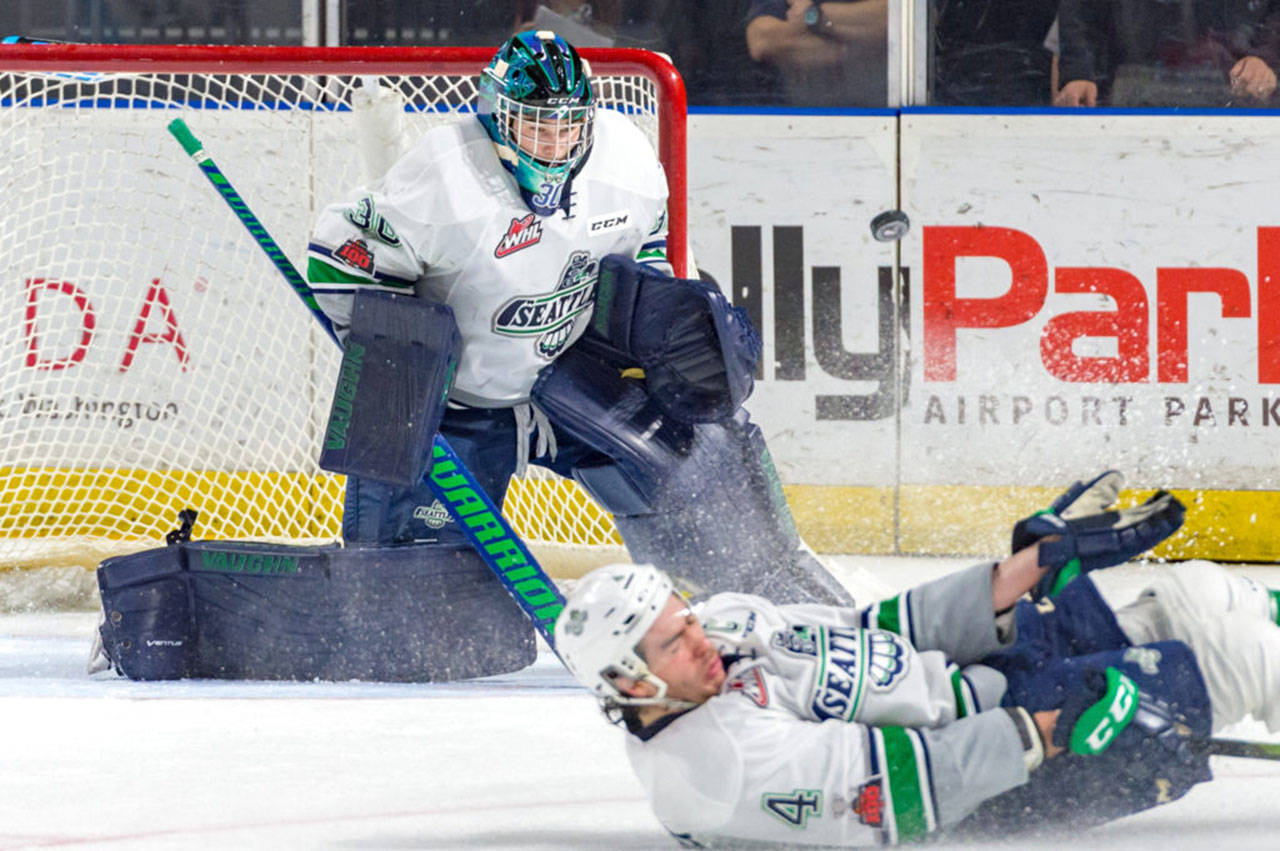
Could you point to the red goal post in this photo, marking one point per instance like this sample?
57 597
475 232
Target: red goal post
152 360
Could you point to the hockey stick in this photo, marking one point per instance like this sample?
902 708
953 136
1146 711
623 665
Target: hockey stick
450 481
1241 748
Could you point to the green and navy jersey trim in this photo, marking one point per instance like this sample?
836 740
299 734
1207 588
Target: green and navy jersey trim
892 615
323 269
967 702
900 756
654 251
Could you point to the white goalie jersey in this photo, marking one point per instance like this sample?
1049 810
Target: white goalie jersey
448 222
838 726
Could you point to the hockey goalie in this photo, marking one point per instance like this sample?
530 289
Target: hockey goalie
505 284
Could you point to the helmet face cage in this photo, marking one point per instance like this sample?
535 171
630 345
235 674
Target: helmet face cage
537 104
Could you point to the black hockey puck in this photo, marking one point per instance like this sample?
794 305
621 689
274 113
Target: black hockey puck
890 226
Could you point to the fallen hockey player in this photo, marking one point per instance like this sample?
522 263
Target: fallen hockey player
955 706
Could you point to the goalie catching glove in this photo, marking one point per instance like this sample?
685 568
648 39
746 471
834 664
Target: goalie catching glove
1090 534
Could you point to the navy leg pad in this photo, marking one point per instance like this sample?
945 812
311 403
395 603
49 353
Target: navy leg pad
265 611
397 368
721 521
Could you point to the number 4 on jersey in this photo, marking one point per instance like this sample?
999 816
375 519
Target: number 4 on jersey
793 807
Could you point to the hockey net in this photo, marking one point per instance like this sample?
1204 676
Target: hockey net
154 360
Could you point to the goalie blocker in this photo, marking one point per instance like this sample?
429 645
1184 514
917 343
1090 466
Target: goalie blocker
272 612
398 364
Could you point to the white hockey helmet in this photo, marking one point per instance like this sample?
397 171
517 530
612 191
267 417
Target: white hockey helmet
605 616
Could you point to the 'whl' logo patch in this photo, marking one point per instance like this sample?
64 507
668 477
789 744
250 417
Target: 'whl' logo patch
751 686
522 233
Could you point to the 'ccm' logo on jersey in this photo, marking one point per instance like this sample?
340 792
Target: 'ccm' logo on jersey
522 233
607 223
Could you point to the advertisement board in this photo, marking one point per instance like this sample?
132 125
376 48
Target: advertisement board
1077 292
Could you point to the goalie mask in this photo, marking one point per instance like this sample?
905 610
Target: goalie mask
607 614
537 105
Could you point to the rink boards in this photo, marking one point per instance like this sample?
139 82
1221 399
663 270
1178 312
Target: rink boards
1078 291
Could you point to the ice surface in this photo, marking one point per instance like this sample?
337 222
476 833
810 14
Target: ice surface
523 761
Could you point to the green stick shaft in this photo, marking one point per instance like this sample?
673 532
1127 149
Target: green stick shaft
1248 750
270 247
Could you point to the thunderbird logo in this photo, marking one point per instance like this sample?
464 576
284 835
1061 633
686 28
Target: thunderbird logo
550 316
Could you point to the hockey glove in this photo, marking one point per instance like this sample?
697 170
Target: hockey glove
1112 712
1091 535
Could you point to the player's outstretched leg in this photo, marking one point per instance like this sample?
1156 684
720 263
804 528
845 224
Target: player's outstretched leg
701 500
1229 621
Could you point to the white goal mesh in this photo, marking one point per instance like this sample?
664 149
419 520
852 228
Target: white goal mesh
154 359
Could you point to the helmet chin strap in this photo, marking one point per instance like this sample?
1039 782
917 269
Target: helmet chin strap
659 699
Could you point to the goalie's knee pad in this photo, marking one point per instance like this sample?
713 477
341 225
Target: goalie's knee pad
264 611
721 522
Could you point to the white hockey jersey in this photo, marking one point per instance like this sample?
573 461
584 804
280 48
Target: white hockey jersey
448 222
838 726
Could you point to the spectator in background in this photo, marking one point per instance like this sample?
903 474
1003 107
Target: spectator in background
584 23
991 52
1161 53
706 44
830 54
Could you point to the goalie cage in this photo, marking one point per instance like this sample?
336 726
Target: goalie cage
154 360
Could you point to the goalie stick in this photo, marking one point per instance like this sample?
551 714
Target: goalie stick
1241 748
451 482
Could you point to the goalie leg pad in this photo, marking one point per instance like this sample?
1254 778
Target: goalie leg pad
264 611
698 351
720 522
397 368
702 502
